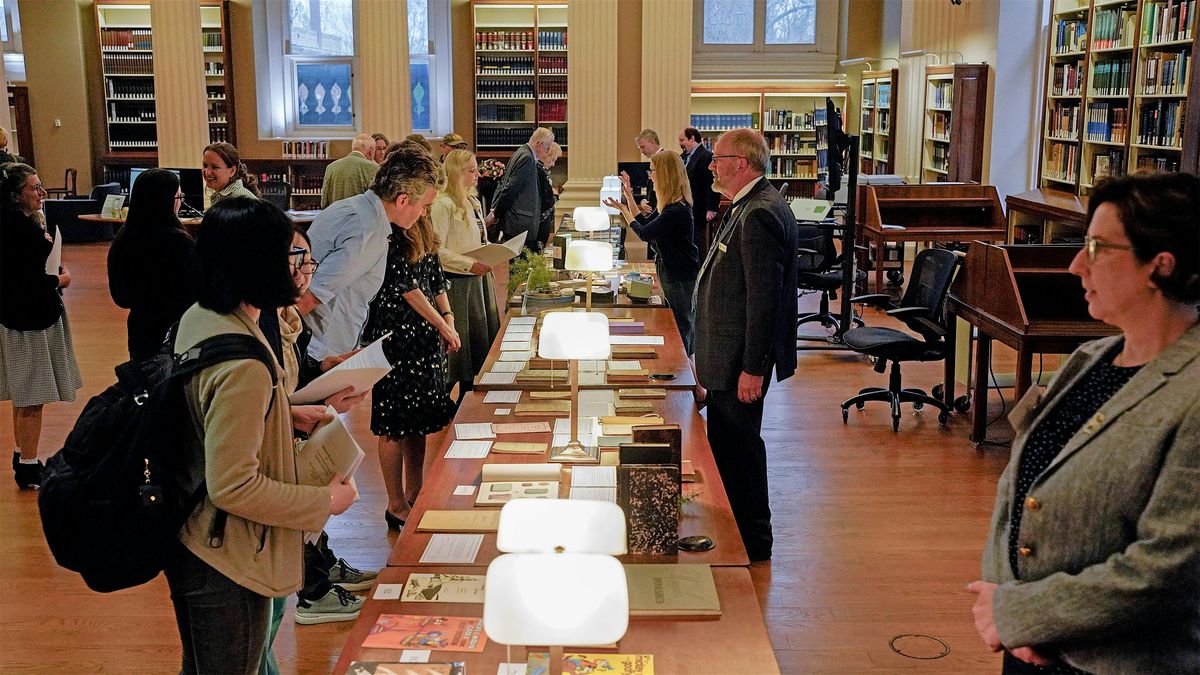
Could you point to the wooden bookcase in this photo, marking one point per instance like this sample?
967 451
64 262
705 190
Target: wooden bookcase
520 74
304 175
878 106
125 39
785 115
955 110
1113 101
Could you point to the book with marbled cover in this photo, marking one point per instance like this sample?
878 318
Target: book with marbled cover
649 495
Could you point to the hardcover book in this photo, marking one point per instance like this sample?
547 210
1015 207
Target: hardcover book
379 668
577 664
502 483
649 496
444 588
669 434
672 590
442 633
459 521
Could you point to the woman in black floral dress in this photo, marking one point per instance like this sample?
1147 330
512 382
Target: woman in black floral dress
412 400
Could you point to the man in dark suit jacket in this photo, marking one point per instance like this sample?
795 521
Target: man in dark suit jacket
696 158
745 325
517 204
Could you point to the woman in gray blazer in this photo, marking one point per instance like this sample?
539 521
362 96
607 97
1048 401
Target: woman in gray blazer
1093 562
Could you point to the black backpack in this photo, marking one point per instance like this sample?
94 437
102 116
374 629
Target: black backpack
113 499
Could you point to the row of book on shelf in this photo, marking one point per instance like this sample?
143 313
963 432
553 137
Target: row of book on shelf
1165 73
941 93
1167 20
1070 35
1060 161
136 38
706 122
788 120
128 64
1068 79
306 149
1113 27
520 40
1063 122
1111 77
793 167
504 65
939 126
504 88
1107 122
1160 122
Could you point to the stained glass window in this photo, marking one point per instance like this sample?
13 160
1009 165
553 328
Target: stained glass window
418 76
323 95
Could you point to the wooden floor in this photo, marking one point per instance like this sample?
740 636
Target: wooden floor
876 533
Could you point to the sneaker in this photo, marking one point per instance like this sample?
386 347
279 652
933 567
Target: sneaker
350 578
338 604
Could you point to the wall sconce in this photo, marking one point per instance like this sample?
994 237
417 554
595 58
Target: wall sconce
934 53
868 61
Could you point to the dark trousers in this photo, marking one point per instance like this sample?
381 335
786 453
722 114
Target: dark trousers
318 560
223 626
678 295
1014 666
735 434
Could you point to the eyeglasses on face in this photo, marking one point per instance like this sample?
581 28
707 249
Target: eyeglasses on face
307 267
715 157
1093 246
38 188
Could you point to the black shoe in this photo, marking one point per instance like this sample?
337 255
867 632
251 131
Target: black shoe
393 522
28 476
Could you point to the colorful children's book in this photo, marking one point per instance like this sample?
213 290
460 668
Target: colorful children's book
442 633
443 588
577 664
379 668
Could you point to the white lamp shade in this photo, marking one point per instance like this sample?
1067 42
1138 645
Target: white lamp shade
568 599
570 525
574 335
589 256
611 187
590 218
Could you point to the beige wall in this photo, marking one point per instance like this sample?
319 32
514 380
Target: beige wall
181 105
57 75
463 49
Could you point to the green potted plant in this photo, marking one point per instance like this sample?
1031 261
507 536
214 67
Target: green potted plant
534 272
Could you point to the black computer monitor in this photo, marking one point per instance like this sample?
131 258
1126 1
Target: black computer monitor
639 177
191 183
839 143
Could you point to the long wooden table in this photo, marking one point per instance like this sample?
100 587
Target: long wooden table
671 358
734 643
708 514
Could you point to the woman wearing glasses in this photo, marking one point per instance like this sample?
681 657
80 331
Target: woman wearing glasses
152 266
37 356
1093 562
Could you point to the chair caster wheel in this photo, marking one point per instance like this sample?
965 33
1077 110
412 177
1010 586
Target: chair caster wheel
918 406
858 406
943 418
845 416
962 404
938 391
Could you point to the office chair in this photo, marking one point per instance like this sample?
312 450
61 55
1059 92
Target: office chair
70 184
822 270
277 192
921 309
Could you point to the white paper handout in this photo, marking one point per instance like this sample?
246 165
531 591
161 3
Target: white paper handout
502 397
496 254
452 548
520 320
507 367
472 430
593 476
360 371
497 378
54 260
468 449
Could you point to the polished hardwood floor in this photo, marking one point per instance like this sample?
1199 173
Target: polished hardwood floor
876 532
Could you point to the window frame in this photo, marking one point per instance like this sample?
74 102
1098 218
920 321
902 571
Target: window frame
759 59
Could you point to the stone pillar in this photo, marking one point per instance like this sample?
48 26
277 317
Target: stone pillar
591 102
384 90
666 68
180 98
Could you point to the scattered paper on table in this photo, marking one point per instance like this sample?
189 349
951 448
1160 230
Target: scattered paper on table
414 656
635 340
452 548
472 430
593 378
497 378
503 411
499 396
624 365
464 490
522 320
388 591
519 329
512 669
596 396
508 366
517 345
522 428
522 355
596 409
595 494
468 449
593 476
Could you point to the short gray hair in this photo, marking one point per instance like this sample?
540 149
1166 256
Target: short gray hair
363 143
541 135
645 134
750 144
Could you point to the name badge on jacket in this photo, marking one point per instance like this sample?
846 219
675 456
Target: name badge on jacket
722 247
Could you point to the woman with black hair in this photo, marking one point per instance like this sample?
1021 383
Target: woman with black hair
152 267
37 355
224 576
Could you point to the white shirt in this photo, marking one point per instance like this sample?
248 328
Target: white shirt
747 188
350 241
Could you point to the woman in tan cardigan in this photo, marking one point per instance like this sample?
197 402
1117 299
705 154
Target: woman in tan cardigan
458 223
244 542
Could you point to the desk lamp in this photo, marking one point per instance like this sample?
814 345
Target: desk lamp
589 256
573 336
557 582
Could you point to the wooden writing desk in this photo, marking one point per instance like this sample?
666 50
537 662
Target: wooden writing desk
1023 296
708 514
956 213
733 643
671 357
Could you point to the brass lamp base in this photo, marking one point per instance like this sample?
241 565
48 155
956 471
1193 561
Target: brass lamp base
575 453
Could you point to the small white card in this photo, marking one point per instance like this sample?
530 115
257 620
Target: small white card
388 591
414 656
468 449
515 346
503 411
508 366
519 329
464 490
473 430
635 339
452 548
512 669
522 355
499 396
522 320
497 378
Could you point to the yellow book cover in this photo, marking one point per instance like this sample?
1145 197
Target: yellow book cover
578 664
459 521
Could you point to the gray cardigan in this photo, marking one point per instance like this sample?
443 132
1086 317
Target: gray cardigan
1112 579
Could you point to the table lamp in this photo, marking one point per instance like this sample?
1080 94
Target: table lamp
573 336
590 219
557 582
610 188
589 256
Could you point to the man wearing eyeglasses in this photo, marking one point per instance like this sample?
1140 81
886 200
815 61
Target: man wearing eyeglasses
517 206
745 325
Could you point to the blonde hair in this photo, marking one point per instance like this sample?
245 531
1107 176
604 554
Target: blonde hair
455 164
649 134
670 178
3 138
749 144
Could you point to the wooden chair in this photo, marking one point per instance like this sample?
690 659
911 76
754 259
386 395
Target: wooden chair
70 184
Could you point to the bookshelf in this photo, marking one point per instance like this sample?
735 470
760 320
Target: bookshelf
218 76
878 109
304 175
520 74
953 117
786 116
127 71
1118 84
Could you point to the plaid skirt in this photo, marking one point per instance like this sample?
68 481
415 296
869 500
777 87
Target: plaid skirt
38 366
